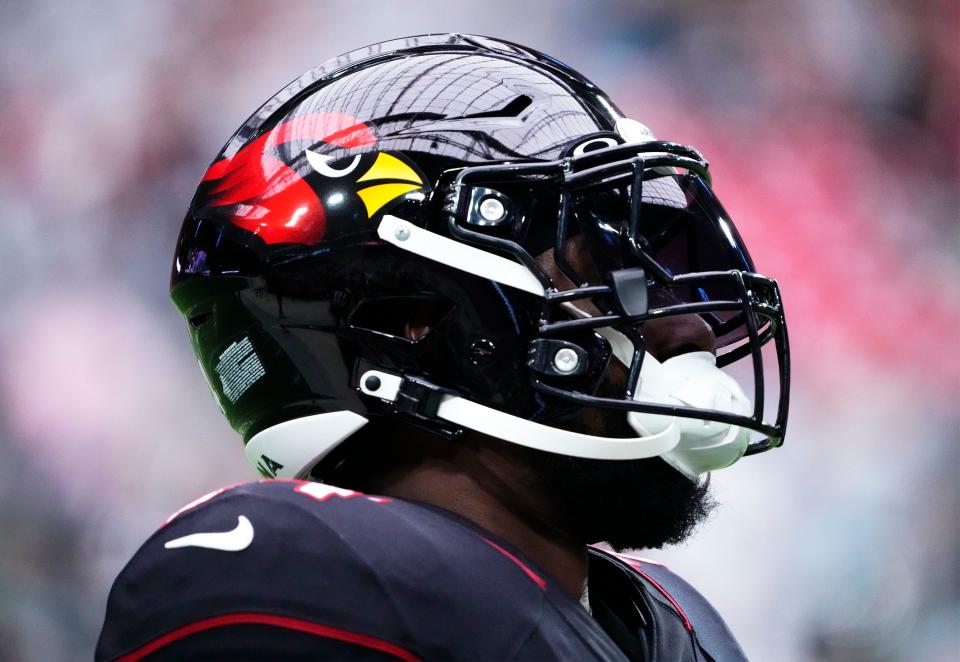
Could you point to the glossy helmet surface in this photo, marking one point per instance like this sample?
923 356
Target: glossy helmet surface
426 174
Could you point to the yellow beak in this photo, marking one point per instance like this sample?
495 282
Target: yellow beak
386 180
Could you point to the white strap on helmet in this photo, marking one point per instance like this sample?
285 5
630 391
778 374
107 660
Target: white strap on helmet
514 429
414 239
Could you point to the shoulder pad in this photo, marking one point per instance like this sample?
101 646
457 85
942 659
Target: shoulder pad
697 613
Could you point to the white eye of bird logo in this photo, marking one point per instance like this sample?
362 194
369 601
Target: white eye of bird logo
321 164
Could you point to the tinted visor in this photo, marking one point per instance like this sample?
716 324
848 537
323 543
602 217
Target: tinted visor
680 229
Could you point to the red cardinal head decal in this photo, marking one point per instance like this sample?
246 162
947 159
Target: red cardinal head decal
291 183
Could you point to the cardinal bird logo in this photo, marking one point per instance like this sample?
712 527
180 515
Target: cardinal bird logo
298 183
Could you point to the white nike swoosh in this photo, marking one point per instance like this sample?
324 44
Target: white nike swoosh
226 541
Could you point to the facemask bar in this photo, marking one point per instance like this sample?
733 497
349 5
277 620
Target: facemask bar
632 165
627 324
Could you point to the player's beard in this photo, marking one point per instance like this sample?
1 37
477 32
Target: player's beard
629 504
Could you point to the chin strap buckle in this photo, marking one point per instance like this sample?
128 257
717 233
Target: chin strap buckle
418 398
412 396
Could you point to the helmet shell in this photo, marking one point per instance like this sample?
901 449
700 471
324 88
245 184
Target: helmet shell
279 269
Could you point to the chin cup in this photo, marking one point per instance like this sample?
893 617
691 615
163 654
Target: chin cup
690 380
693 380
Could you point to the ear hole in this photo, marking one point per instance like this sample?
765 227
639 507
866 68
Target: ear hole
197 320
409 318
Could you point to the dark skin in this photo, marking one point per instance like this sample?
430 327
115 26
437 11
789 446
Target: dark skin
477 477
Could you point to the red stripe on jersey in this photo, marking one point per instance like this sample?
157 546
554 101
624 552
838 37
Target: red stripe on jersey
196 502
626 557
676 605
636 563
275 621
640 559
530 573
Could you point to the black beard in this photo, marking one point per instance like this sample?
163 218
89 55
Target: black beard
629 504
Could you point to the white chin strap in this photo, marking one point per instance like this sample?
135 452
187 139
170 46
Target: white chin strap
495 423
292 448
693 447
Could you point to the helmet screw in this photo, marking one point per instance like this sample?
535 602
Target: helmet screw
372 383
566 360
482 351
402 233
492 209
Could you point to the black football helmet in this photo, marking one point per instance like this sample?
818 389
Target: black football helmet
427 174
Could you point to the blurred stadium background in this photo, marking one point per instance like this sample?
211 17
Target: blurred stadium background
833 128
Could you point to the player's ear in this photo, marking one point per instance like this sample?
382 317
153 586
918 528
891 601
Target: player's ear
415 331
410 318
421 317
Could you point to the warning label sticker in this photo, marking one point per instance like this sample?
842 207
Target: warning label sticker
239 368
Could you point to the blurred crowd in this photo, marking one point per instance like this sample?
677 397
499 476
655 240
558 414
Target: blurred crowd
833 130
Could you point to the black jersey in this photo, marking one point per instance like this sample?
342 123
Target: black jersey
301 570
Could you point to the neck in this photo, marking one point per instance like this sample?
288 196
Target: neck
477 481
